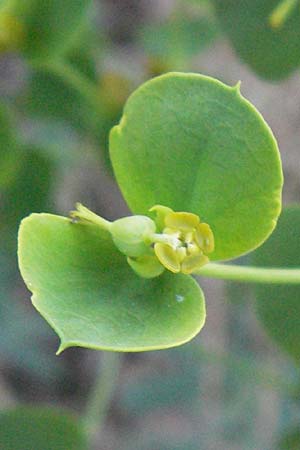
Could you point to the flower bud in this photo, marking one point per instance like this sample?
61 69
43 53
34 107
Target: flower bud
129 233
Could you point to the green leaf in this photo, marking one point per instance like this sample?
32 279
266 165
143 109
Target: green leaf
82 54
43 97
272 52
290 440
40 428
193 144
29 192
278 307
88 293
87 46
49 26
9 157
178 39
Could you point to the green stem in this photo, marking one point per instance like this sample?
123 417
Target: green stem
281 13
250 274
101 394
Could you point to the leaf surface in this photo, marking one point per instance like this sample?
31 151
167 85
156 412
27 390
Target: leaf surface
290 440
272 52
9 151
49 26
178 39
88 293
193 144
40 428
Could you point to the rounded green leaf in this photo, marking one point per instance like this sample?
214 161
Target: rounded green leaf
32 428
278 307
271 51
193 144
83 286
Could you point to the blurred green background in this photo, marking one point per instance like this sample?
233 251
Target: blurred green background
66 69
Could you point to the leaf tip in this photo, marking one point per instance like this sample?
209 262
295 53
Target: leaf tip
237 87
117 129
26 219
62 347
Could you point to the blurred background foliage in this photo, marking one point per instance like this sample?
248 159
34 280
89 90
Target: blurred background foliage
66 69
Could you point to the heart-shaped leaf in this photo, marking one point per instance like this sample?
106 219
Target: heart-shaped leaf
278 307
40 428
193 144
83 286
273 51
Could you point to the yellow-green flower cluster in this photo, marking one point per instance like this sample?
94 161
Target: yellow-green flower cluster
176 241
184 242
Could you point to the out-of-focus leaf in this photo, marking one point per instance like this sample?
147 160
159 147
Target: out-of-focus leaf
9 152
290 440
278 306
114 90
82 54
60 143
47 28
272 52
28 428
173 42
49 95
30 191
